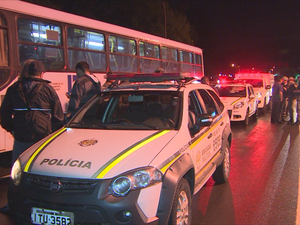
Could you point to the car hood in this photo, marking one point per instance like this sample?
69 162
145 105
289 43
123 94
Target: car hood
85 153
229 101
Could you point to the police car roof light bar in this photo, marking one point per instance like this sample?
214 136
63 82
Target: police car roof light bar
150 77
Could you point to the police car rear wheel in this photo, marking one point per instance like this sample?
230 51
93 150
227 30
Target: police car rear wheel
221 174
181 207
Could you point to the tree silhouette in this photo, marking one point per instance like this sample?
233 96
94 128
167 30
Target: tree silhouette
142 15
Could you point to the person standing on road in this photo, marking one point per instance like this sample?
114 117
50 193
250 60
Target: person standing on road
284 104
277 98
84 88
292 99
30 110
297 92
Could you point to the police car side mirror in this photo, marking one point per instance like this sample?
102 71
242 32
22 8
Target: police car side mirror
202 120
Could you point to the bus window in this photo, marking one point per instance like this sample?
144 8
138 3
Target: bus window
198 59
198 64
122 54
3 44
5 73
149 54
170 60
186 59
35 39
86 46
149 50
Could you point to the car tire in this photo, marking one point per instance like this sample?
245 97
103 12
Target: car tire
255 114
246 121
181 212
264 109
221 174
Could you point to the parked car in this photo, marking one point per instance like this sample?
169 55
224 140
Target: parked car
134 154
240 100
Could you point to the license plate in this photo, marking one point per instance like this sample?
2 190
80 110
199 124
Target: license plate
51 217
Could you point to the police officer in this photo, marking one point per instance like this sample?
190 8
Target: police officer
85 87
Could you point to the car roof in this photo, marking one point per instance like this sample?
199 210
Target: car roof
235 84
163 81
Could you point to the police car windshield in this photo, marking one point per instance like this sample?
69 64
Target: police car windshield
232 91
254 82
131 110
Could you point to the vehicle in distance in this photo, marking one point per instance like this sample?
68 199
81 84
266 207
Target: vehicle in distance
134 154
262 83
239 99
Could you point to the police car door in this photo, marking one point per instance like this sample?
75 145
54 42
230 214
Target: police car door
201 142
201 136
214 134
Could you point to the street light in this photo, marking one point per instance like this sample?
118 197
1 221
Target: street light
237 68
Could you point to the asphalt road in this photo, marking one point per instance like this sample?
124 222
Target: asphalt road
263 184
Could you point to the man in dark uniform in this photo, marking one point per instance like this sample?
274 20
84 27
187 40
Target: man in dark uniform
277 98
85 87
292 100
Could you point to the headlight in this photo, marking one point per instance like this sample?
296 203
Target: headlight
16 172
134 180
258 94
238 105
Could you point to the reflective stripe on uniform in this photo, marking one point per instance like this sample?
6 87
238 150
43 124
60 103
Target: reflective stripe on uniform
118 158
34 155
37 109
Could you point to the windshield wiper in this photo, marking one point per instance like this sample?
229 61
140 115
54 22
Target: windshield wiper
88 125
146 125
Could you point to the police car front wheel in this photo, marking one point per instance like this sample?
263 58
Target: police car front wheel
181 207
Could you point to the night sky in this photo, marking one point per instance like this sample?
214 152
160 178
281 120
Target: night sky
256 34
259 34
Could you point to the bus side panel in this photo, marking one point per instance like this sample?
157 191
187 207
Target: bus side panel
6 141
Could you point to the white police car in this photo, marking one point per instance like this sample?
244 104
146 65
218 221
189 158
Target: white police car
134 154
239 99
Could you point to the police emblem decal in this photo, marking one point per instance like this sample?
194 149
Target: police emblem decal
88 142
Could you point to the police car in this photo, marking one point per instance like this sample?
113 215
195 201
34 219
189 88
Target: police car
134 154
239 99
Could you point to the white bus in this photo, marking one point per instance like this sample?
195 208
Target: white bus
60 40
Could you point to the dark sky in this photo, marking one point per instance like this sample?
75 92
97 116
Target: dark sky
249 33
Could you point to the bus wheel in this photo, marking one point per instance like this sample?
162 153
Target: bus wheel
221 174
181 212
